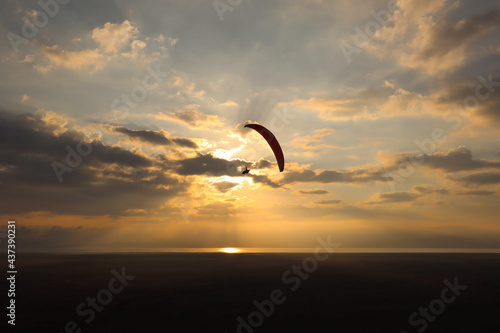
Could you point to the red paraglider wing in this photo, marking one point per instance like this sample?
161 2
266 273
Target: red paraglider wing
273 142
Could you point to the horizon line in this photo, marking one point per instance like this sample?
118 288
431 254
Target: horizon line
251 250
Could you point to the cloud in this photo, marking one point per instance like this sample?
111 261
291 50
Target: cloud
445 37
106 180
229 103
395 197
209 165
224 186
156 138
476 96
423 35
102 153
490 108
457 159
478 192
313 140
454 160
116 41
241 130
262 164
75 60
113 37
193 118
328 202
382 100
332 109
264 180
481 178
441 46
428 189
313 192
334 176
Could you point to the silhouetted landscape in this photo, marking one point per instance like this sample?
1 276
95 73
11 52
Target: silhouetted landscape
207 292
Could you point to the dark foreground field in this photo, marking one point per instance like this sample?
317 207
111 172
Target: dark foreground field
208 292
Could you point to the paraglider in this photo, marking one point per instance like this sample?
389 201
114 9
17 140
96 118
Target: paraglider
273 143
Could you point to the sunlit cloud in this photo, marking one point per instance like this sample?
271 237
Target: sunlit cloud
90 59
191 117
113 37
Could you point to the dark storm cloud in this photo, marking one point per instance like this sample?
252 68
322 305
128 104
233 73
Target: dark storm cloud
108 181
156 138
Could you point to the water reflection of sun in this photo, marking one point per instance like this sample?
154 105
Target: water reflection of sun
230 250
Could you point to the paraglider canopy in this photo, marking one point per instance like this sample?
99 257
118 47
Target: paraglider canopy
272 141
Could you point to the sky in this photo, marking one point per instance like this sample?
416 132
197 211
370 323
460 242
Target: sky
121 123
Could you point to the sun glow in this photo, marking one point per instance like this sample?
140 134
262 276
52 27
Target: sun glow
227 154
230 250
239 180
